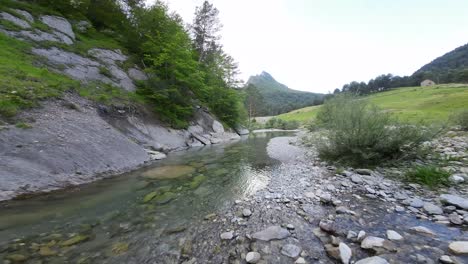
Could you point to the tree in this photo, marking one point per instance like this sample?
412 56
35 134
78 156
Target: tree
253 102
205 30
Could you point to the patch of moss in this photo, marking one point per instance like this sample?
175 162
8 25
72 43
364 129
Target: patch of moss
74 240
149 196
23 125
120 248
197 181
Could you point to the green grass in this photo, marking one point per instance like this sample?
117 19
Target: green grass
428 175
23 85
412 104
301 115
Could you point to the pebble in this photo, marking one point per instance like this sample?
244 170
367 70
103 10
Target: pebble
455 219
246 212
393 235
290 227
446 259
227 235
300 260
372 260
459 247
372 242
253 257
454 200
432 209
424 230
345 253
356 179
361 235
291 251
270 233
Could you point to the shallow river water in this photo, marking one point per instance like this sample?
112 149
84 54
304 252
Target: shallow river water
98 221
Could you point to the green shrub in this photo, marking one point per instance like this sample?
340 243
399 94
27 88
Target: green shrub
361 134
461 119
428 175
281 124
311 125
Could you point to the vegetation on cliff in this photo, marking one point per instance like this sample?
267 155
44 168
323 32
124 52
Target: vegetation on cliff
187 66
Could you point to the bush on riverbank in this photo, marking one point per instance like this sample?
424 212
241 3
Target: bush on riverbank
428 175
281 124
461 119
359 133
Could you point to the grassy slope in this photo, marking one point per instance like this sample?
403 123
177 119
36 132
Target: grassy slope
23 84
431 104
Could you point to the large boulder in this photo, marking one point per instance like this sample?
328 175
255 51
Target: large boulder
137 74
60 24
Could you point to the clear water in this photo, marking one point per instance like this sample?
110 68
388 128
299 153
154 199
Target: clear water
113 210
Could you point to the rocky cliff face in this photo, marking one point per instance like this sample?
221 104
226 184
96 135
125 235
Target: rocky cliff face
74 140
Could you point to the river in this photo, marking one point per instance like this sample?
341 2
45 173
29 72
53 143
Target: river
108 216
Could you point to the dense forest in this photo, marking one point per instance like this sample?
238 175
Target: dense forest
449 68
187 65
265 97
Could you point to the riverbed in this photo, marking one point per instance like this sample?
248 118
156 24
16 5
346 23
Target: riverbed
215 205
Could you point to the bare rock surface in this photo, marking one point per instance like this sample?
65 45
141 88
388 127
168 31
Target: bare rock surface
60 24
15 20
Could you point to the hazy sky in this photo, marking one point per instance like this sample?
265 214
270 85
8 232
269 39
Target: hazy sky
319 45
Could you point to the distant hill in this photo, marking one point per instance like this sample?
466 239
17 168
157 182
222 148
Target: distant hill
451 67
273 98
413 104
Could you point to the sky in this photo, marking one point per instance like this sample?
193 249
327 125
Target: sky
319 45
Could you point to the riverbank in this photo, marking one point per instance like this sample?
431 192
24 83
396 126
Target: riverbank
73 141
310 213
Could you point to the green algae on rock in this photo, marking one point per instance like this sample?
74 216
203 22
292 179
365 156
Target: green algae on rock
149 196
120 248
74 240
197 181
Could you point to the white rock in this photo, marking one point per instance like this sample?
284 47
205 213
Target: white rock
252 257
372 242
454 200
356 178
446 259
393 235
300 260
456 179
432 209
227 235
459 247
372 260
345 253
424 230
272 232
291 251
361 235
246 212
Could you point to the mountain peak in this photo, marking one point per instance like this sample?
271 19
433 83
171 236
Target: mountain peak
266 75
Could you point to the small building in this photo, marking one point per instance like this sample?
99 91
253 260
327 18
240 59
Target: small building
427 82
